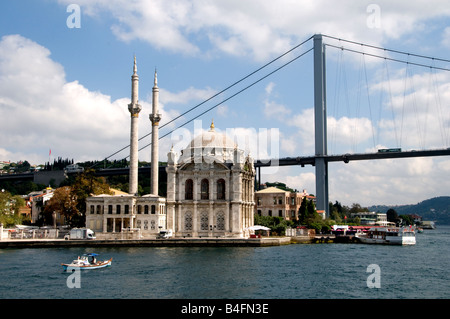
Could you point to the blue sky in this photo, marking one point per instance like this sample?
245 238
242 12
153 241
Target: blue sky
67 89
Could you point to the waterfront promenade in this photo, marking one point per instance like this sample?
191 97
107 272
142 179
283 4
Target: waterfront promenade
172 242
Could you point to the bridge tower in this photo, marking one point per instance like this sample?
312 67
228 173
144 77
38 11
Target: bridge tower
320 125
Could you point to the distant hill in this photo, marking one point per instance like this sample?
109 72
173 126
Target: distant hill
436 209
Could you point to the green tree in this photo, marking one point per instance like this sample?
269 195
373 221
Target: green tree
407 220
392 216
87 184
303 211
276 224
70 200
63 202
9 209
356 208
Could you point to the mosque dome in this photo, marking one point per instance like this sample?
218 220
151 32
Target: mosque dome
210 146
212 139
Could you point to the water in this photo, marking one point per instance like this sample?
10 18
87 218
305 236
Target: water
303 271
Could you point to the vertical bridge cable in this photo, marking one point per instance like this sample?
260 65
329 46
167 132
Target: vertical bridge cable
391 103
444 133
368 100
410 95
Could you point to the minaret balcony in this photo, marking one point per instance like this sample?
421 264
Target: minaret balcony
155 118
134 108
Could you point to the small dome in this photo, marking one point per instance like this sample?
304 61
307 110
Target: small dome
212 139
210 144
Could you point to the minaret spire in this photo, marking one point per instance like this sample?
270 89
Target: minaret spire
134 109
155 117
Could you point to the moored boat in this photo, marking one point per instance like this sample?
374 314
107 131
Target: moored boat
427 224
84 263
388 236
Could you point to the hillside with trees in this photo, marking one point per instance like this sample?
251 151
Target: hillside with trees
435 209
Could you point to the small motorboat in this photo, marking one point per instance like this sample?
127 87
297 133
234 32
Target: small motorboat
83 262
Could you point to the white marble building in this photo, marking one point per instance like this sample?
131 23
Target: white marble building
143 215
210 188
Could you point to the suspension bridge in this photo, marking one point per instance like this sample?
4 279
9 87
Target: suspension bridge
323 131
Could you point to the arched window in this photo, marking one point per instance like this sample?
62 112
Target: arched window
204 221
220 221
189 189
204 189
188 221
220 189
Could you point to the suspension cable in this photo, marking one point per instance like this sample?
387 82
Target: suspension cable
217 94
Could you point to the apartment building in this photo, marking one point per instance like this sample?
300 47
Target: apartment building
273 201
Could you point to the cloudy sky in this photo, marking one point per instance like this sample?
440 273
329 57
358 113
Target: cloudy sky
66 65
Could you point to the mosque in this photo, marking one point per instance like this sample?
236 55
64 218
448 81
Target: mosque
209 187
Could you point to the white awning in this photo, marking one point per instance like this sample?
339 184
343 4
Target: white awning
258 227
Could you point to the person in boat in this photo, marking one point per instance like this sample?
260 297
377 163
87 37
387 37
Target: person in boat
93 260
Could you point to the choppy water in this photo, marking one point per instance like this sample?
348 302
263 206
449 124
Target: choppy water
304 271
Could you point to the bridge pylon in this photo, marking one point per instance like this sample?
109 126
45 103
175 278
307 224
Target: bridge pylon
320 125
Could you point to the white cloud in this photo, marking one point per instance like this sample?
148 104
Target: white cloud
345 134
40 110
446 37
258 29
187 96
417 103
391 181
49 113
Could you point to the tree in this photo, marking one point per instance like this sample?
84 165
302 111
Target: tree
87 184
356 208
391 215
9 209
70 200
276 224
407 219
64 202
303 211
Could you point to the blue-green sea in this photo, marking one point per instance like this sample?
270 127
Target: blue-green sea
297 271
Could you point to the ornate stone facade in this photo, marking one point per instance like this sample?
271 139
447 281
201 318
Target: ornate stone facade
210 188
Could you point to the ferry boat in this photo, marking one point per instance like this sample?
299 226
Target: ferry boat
84 263
388 235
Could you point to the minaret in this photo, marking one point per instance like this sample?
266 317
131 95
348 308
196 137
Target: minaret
155 117
134 109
